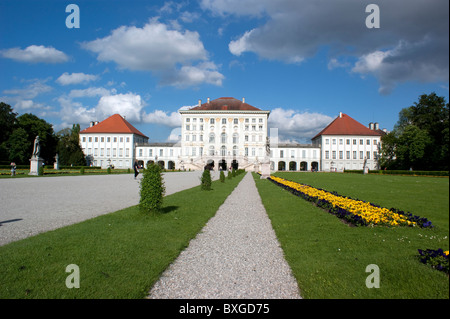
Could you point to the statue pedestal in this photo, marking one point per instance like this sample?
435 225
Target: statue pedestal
35 164
265 170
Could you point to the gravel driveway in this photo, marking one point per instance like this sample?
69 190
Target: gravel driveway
29 206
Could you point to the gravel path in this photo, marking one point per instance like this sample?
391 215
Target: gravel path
29 206
236 256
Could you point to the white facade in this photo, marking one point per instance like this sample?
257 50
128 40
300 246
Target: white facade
110 149
234 135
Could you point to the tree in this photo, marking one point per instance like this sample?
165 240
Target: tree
18 146
420 138
68 148
34 126
206 180
7 125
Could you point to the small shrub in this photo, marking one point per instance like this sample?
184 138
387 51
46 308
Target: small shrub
82 171
222 177
108 171
41 171
206 180
229 175
152 190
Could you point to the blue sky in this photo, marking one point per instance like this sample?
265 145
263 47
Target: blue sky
304 60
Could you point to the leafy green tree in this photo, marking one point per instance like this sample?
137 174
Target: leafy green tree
34 126
68 148
420 138
7 125
18 146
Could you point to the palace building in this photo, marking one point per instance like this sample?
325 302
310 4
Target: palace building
230 133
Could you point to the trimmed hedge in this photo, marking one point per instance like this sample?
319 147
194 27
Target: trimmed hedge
401 172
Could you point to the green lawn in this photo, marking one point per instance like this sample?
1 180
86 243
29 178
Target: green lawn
119 255
329 258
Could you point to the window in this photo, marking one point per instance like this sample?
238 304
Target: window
95 151
108 139
188 127
246 121
212 138
121 140
223 138
253 151
246 127
368 155
194 119
194 127
115 139
114 153
347 141
260 120
140 152
341 155
235 121
108 152
253 127
187 138
327 141
368 142
375 142
246 151
128 140
212 121
96 139
223 150
194 138
327 154
341 141
292 153
90 139
246 138
348 155
224 121
260 127
281 154
201 137
333 155
361 155
334 141
188 120
235 150
235 138
211 150
201 127
161 152
84 139
102 152
253 120
361 141
194 151
354 155
120 152
354 141
150 152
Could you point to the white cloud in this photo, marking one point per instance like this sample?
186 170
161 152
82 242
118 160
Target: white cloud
35 54
91 92
129 105
169 53
294 125
32 90
172 119
75 78
412 43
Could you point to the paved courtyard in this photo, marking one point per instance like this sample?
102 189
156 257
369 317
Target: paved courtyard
29 206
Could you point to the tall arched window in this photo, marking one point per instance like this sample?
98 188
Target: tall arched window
223 150
212 138
235 138
223 138
211 150
235 150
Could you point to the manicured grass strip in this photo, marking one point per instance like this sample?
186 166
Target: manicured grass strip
329 258
119 255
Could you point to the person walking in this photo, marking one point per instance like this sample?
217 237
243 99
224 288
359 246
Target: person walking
136 169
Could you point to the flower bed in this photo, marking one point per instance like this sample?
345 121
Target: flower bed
354 211
437 259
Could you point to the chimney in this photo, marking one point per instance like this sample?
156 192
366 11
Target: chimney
208 100
243 100
92 124
199 102
371 126
340 114
377 126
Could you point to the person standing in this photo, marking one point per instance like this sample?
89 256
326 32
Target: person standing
13 169
136 169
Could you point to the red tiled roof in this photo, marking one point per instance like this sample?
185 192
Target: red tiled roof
113 124
225 104
345 125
